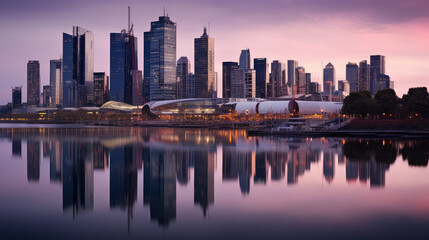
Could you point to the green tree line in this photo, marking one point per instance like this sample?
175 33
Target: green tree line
386 104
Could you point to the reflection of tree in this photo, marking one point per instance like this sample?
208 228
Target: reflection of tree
383 151
416 153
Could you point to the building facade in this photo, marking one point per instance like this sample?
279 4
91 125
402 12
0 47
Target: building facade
78 68
182 72
55 82
262 76
17 97
278 78
33 83
205 77
378 68
364 76
160 59
291 76
227 68
46 96
244 62
301 81
352 76
329 78
243 83
123 61
101 88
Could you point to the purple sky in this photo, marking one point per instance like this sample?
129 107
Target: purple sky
314 32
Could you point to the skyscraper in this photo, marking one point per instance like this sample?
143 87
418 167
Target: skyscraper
123 61
378 67
46 95
278 78
146 66
291 66
307 83
33 83
314 87
343 86
352 76
262 76
182 74
227 68
245 59
301 80
363 76
243 84
78 68
17 97
101 88
205 78
329 79
55 82
160 48
384 82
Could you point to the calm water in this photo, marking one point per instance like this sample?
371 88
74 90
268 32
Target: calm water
133 183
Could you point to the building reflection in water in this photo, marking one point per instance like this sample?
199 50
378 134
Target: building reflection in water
168 155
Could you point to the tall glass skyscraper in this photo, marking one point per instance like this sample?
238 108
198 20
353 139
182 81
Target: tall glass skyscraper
123 61
291 67
33 83
160 48
78 68
378 68
363 76
184 87
55 82
227 68
262 75
244 62
205 77
278 77
329 78
352 76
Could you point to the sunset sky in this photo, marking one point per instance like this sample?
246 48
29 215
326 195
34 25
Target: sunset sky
314 32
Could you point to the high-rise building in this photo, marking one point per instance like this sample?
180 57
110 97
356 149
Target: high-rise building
17 97
278 78
190 85
46 95
378 67
329 79
343 86
182 72
205 77
352 76
363 76
101 88
33 83
146 66
55 82
307 83
301 80
78 68
123 61
137 92
160 48
385 82
314 87
227 68
243 84
262 76
244 62
291 76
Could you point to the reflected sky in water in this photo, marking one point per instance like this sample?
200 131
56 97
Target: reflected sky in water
137 183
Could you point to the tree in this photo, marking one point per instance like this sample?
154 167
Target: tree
416 102
386 102
358 104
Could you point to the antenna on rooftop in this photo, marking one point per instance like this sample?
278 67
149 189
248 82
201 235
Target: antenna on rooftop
164 11
129 18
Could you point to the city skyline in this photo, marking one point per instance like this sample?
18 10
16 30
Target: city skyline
342 37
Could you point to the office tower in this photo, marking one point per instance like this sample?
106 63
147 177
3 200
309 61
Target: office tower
307 83
124 77
343 86
46 95
244 62
301 79
291 66
364 75
227 68
182 72
352 76
33 83
278 78
262 76
205 78
191 85
101 88
146 67
78 68
55 82
243 84
17 97
314 87
378 67
137 92
384 82
329 79
33 160
160 59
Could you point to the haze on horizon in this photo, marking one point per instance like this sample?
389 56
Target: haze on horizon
313 32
